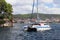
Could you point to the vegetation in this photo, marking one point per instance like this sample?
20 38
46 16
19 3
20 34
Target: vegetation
5 11
42 16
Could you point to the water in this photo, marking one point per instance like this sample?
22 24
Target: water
17 33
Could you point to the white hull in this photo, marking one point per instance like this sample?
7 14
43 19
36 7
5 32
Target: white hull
43 29
39 27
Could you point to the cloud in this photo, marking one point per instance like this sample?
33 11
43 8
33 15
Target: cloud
22 9
54 11
56 1
45 6
11 1
47 1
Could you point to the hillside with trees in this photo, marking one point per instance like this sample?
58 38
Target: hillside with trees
42 16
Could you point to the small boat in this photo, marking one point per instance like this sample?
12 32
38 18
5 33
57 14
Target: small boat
37 27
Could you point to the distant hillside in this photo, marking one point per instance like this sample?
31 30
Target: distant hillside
42 16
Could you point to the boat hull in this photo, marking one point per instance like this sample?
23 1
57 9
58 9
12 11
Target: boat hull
38 27
43 29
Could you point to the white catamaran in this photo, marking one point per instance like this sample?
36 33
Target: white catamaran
37 26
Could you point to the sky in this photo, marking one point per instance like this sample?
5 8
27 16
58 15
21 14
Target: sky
44 6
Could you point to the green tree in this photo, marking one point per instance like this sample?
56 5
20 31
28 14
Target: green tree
5 10
8 10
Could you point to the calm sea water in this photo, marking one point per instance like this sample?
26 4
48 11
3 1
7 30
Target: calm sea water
17 33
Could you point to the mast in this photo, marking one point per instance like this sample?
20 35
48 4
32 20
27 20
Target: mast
32 8
37 15
37 6
37 10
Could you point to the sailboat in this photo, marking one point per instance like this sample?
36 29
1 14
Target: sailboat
37 26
